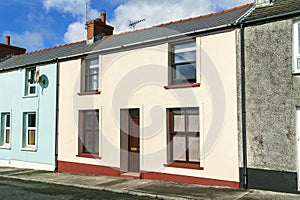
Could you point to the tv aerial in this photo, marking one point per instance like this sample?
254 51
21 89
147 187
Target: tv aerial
132 24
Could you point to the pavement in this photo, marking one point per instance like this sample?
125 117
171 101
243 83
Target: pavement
143 188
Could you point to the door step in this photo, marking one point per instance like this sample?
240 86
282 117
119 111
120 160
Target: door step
133 175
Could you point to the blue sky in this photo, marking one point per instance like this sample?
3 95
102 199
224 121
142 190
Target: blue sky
38 24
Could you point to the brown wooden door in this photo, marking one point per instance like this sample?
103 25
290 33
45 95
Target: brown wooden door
134 144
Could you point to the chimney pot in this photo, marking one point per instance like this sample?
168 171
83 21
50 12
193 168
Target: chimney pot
7 38
103 17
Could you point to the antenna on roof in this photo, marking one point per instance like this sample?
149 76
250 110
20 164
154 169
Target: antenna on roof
86 13
132 24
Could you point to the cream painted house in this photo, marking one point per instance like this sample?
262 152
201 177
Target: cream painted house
159 103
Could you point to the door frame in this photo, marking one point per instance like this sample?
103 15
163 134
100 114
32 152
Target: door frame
124 138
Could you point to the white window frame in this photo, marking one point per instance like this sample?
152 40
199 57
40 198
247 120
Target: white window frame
4 128
7 128
296 55
30 85
30 129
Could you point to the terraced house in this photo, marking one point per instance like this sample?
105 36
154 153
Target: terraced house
210 100
158 103
270 84
28 108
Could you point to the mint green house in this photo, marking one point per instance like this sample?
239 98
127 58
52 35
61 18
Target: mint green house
28 108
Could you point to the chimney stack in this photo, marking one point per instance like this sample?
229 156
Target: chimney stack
98 28
7 38
7 50
103 17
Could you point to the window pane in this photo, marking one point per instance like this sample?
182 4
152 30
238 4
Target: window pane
88 120
193 123
31 89
7 136
189 56
31 75
7 123
179 123
31 120
31 137
185 72
93 65
96 143
298 63
92 83
192 111
194 149
191 46
89 142
179 149
96 120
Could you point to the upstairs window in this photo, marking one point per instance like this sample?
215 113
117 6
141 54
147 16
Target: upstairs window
184 142
90 79
183 63
5 129
30 84
89 132
297 47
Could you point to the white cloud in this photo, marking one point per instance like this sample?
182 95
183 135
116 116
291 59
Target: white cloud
75 7
28 40
161 11
155 12
76 32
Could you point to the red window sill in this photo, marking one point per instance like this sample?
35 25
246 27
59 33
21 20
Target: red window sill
88 93
87 155
185 165
182 86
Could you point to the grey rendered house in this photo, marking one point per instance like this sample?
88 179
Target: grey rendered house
270 96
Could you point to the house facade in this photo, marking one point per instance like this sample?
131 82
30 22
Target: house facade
271 52
27 133
160 103
28 110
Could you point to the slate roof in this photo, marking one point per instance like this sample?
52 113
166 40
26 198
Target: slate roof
227 18
164 31
40 56
279 7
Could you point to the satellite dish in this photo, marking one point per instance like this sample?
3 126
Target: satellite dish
43 81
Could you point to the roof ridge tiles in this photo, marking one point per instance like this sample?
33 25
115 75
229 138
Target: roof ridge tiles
50 48
185 20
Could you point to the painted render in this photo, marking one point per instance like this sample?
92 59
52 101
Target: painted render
44 104
136 79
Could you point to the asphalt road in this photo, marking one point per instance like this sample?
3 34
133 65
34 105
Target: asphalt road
11 189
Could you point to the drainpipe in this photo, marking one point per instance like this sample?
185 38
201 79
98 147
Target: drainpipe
57 114
243 94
